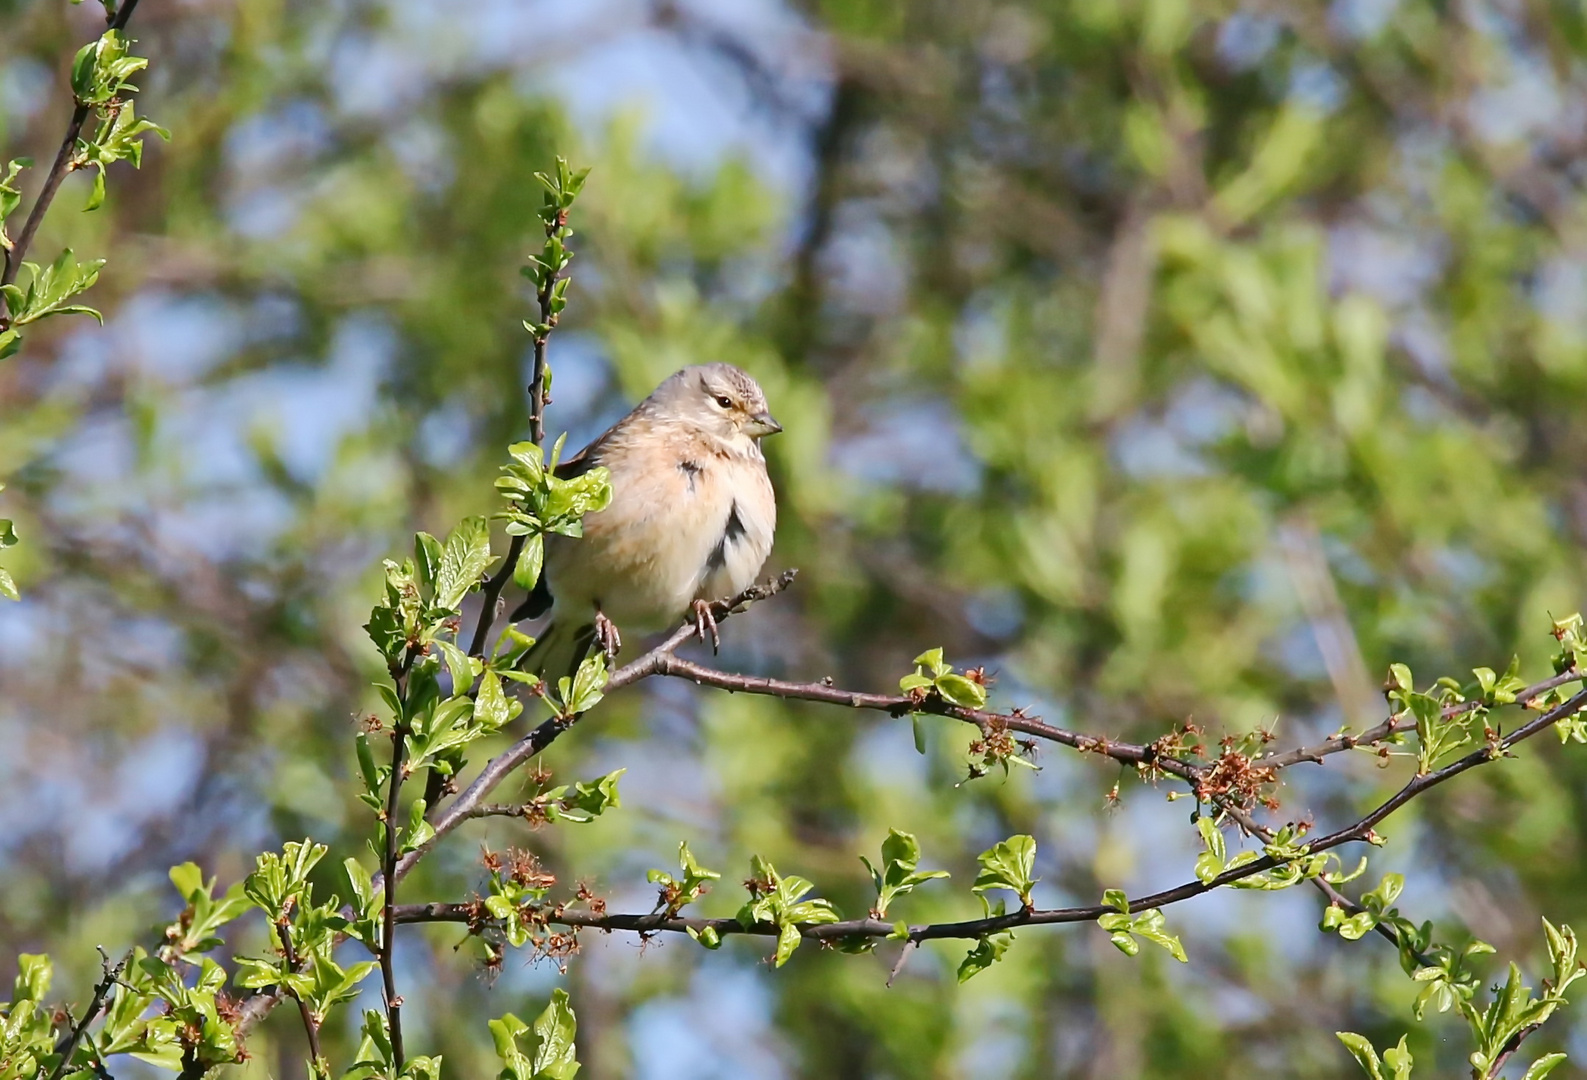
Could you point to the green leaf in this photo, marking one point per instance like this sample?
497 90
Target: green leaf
204 914
463 560
586 800
49 289
1151 925
1210 863
1361 1049
707 937
1008 864
583 691
1543 1066
419 831
83 71
961 691
897 875
787 941
554 1032
10 195
550 1053
780 904
426 560
492 708
528 455
987 951
96 195
462 667
526 571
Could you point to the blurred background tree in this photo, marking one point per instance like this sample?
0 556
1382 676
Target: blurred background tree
1172 358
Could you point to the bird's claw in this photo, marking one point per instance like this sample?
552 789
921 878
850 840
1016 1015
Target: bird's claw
705 622
607 636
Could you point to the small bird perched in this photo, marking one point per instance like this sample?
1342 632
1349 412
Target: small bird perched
690 521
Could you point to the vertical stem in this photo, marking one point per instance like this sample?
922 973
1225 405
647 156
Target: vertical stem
537 380
388 973
537 435
310 1028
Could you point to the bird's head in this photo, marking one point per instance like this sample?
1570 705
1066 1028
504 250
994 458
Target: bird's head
721 399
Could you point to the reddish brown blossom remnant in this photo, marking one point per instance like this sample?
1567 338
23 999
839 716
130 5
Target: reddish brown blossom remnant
524 869
596 904
1233 779
997 746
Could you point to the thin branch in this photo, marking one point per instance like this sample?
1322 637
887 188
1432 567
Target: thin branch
58 170
537 435
537 375
67 1046
500 810
1361 830
310 1028
388 879
663 662
1336 743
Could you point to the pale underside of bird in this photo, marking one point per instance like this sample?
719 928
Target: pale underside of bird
690 521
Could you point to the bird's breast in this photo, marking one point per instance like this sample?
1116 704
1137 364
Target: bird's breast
692 523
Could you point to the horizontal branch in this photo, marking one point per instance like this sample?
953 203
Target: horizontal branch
1361 830
1374 735
899 705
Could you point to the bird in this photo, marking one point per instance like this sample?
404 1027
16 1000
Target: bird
691 520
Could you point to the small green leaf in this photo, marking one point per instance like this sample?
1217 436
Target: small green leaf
96 195
1361 1049
463 559
1008 864
1543 1066
987 951
961 691
526 571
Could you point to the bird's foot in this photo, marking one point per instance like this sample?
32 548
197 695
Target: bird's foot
705 622
607 636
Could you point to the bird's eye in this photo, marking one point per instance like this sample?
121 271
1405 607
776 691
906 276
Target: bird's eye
724 401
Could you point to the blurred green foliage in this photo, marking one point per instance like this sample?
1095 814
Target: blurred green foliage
1173 359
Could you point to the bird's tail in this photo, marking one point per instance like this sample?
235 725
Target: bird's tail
559 650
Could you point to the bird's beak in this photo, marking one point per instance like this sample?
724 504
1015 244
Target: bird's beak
763 424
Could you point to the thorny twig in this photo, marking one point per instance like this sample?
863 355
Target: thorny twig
67 1046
